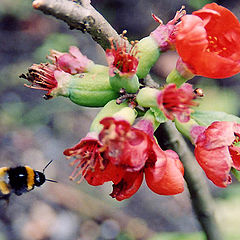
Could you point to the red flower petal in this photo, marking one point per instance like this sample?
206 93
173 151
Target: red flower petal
176 102
128 186
216 163
216 153
166 177
90 164
121 61
125 146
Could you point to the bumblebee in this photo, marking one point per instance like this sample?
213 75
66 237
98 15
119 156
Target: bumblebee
20 179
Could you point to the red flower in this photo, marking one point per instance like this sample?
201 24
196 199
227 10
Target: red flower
137 152
164 176
176 102
217 150
125 146
73 62
122 155
121 61
90 162
42 77
208 42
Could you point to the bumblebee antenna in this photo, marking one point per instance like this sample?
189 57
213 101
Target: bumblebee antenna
47 166
50 180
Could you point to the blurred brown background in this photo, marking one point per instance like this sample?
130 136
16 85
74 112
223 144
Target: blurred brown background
33 131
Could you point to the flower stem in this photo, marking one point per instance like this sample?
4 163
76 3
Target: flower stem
202 201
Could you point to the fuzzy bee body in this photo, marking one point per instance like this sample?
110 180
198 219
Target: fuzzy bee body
19 180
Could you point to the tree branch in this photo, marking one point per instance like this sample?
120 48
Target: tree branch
202 201
81 15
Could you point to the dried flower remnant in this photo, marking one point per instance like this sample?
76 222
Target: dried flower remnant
41 77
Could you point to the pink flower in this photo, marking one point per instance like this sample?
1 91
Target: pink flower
164 35
217 150
73 62
176 102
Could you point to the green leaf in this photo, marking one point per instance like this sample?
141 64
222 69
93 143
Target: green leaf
236 174
197 4
205 118
159 115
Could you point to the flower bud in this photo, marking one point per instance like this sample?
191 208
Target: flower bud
147 97
86 89
148 54
112 109
160 40
180 74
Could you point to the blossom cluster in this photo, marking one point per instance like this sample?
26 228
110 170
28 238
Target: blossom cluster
121 147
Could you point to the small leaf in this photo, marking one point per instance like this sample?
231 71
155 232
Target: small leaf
205 118
159 115
236 174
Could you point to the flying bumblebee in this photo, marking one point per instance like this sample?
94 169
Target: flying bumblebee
20 179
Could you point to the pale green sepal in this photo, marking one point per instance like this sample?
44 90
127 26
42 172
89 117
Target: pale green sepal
159 115
107 111
147 54
185 128
175 77
91 89
127 114
150 115
147 97
63 80
236 173
131 85
96 68
205 118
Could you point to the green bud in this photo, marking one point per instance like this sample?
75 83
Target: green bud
185 128
147 97
148 54
113 109
130 84
176 77
86 89
96 68
150 116
126 113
